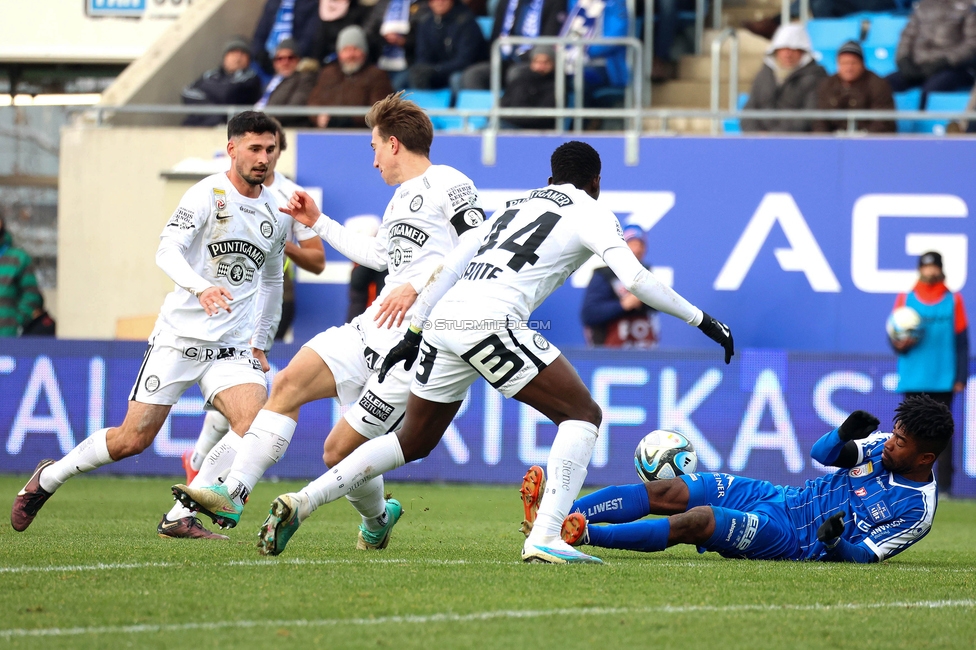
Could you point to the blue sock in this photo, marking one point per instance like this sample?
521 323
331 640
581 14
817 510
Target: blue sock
617 504
648 535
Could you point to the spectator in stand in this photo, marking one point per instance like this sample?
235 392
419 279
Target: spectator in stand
766 27
335 16
391 30
231 84
529 18
605 65
349 81
788 80
612 316
291 84
854 88
534 89
281 19
449 40
20 300
666 27
937 50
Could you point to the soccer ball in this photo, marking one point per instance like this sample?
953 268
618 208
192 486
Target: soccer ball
904 323
664 454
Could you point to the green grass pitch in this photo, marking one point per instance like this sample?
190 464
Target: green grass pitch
91 572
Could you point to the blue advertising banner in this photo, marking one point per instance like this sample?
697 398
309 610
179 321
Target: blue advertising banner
758 417
798 244
116 7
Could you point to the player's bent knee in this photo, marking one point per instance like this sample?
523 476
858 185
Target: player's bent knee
692 527
287 392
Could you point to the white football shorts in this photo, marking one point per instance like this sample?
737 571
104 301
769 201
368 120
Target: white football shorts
507 357
354 353
173 363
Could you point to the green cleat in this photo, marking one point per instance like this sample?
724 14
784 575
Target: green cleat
376 541
281 524
213 501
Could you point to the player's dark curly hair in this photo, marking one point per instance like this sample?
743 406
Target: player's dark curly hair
250 122
929 422
574 162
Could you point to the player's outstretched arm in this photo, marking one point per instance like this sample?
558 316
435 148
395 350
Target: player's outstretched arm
831 534
367 251
177 236
838 447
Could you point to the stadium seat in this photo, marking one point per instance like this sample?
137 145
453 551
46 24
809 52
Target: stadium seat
486 23
910 100
885 31
731 125
828 59
942 102
831 33
432 99
880 59
468 99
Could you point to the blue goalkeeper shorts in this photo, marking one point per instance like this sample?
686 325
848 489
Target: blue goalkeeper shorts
751 517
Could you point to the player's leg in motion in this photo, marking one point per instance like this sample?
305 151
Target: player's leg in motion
624 506
142 423
379 515
558 393
239 404
215 427
423 427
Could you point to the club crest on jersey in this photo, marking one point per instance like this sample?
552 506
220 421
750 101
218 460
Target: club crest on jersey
416 203
862 470
879 511
236 271
220 203
152 383
406 231
267 229
400 254
555 196
540 341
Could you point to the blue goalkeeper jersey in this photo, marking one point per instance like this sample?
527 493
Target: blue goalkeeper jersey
885 512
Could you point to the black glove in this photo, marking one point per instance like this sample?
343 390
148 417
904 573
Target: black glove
857 426
718 332
406 350
830 531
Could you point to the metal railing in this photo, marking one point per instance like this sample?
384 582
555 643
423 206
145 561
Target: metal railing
730 35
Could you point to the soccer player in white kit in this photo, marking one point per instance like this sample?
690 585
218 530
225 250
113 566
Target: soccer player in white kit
223 248
490 285
432 208
216 446
304 248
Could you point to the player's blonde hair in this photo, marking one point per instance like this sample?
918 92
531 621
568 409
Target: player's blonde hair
397 117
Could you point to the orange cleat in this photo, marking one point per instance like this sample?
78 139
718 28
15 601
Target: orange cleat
533 485
188 468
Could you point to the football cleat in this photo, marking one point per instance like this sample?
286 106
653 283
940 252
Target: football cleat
574 531
188 467
533 485
380 539
555 552
213 501
185 528
281 524
30 499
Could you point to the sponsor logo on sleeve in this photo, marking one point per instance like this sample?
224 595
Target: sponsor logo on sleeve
220 204
461 195
426 183
862 470
376 406
861 492
182 219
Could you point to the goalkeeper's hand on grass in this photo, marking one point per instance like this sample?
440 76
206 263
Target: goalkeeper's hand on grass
830 531
857 426
406 350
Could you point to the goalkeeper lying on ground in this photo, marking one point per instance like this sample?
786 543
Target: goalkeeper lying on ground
879 503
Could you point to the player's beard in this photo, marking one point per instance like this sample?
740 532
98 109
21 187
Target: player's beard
249 178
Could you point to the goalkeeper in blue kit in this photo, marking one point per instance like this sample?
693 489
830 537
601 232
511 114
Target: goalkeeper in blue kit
880 502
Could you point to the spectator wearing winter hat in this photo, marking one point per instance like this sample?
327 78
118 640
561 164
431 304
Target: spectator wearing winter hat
611 315
788 80
349 81
291 84
533 89
231 84
854 88
335 16
448 41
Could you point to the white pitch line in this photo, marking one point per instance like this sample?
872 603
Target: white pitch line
450 617
267 562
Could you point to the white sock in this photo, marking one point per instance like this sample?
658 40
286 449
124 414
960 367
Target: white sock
568 458
373 458
215 427
218 462
92 453
370 502
263 446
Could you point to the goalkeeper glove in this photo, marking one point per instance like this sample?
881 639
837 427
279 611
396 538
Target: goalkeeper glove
718 332
406 350
830 531
857 426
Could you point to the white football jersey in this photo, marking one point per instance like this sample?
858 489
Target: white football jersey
227 239
281 189
531 247
422 223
